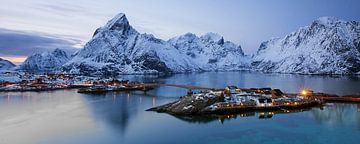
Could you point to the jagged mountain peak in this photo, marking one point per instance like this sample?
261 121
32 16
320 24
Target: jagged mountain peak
186 36
59 53
119 25
118 22
55 53
117 48
326 20
331 23
210 37
213 37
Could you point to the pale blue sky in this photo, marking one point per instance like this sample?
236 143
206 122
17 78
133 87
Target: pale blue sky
245 22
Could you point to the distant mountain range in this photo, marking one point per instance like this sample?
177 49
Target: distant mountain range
327 46
45 62
5 64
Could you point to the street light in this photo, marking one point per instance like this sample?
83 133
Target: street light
304 92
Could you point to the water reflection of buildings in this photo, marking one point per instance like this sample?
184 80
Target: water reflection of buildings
260 115
223 118
153 101
8 98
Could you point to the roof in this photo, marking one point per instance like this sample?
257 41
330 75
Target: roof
265 89
278 92
264 98
267 92
232 87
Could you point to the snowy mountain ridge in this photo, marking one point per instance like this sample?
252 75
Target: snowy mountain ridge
117 48
45 62
5 64
327 46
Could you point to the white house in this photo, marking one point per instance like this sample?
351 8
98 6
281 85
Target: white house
264 101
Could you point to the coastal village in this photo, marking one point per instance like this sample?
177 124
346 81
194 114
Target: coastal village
228 100
21 81
234 100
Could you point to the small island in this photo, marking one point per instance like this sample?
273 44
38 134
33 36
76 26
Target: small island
234 100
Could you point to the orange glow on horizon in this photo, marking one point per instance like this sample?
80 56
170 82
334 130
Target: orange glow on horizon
14 59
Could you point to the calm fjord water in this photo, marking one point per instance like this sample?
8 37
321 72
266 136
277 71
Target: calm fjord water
65 116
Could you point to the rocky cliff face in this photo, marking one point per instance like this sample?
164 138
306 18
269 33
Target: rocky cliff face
117 48
327 46
5 64
45 62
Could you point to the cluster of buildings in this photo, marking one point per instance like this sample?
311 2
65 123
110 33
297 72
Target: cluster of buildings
233 96
113 85
21 81
261 96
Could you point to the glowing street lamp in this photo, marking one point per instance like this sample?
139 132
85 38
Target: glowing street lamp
304 92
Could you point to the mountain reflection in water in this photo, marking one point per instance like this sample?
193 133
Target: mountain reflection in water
65 116
117 109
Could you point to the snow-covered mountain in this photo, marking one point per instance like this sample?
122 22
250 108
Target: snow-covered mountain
210 52
327 46
45 62
117 48
5 64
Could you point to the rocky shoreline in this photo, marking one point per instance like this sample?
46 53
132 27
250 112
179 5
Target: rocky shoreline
188 106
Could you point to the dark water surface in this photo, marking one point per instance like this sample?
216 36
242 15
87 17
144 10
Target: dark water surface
64 116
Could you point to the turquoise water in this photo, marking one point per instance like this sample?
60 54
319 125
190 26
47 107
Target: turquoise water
65 116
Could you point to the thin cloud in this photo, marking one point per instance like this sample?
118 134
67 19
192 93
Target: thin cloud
21 43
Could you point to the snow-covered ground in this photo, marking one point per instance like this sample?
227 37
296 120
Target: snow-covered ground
10 76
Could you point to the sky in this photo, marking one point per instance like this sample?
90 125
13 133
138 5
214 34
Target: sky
32 26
